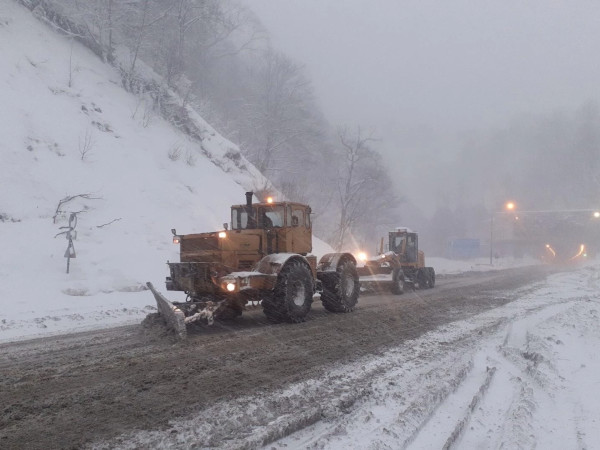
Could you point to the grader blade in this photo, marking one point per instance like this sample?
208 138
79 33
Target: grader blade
171 314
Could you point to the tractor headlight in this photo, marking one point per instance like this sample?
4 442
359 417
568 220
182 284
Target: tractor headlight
222 234
176 239
230 287
362 256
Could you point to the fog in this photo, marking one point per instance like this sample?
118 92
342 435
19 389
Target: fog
434 78
430 115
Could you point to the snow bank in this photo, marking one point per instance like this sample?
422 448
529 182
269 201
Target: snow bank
452 266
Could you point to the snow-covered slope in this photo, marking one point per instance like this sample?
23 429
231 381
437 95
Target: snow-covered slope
67 128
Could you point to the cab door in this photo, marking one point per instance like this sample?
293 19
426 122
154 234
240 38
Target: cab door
300 229
411 248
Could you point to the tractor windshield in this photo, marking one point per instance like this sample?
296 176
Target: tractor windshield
243 218
397 244
272 216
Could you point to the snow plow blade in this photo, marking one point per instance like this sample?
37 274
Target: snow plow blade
171 314
375 285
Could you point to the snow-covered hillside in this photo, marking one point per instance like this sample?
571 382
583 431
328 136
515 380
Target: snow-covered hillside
69 129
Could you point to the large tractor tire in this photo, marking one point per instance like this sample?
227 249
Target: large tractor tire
431 276
423 278
342 295
398 282
293 294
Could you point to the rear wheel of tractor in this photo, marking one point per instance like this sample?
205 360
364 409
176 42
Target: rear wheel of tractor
398 282
342 295
423 278
431 276
293 294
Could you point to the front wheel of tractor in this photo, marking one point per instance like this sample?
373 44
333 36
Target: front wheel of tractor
341 293
292 297
398 282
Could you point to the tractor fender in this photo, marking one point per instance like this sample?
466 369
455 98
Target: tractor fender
273 263
331 261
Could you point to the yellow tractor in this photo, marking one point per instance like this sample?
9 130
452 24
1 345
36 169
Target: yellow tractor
403 260
263 256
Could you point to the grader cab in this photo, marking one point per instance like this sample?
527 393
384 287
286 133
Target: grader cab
264 256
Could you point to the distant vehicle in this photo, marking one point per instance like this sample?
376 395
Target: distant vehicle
403 260
264 256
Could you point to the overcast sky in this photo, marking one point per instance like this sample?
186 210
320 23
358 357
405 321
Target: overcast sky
423 73
450 65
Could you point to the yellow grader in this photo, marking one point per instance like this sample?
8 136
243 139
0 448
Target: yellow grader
403 260
264 256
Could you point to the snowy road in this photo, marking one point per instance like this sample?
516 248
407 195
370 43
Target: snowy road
524 375
492 359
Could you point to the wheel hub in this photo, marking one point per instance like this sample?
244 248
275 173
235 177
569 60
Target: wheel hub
298 293
349 286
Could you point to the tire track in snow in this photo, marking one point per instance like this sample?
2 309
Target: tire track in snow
518 417
529 366
460 426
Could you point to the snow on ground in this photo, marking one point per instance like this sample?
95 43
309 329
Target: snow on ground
445 266
529 382
524 375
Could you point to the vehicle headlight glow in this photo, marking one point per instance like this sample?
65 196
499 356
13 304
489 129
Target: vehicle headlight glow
231 287
362 256
222 234
269 199
176 240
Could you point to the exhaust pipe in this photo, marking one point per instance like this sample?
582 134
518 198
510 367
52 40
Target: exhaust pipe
251 218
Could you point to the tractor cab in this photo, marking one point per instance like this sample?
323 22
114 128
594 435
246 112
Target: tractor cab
404 243
284 227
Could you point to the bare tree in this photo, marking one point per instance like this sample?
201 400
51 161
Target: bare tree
86 144
69 198
70 82
147 17
281 116
194 35
364 188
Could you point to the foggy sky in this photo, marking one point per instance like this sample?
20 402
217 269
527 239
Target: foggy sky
421 72
459 64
